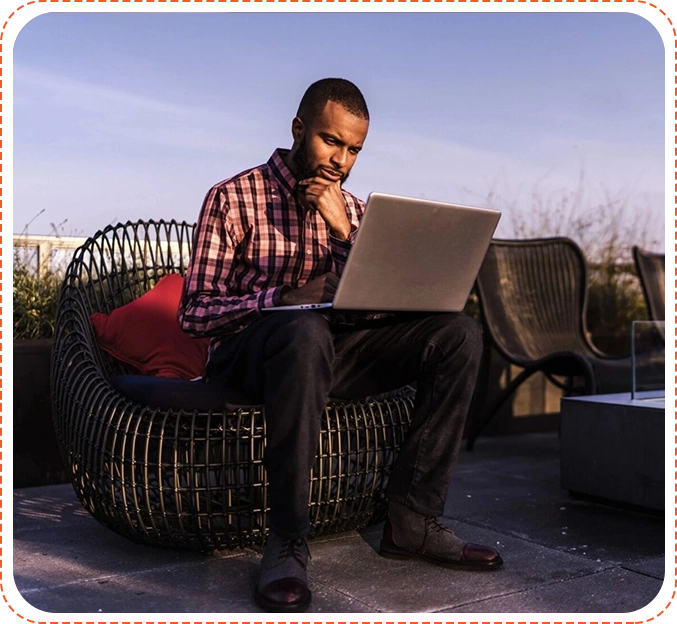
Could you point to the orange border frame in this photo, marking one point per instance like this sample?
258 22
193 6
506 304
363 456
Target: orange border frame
660 10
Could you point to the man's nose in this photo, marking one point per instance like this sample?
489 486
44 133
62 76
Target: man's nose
340 157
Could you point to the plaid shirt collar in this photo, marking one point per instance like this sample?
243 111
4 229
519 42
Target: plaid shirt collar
281 172
285 179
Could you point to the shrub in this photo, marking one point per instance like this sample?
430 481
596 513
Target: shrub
35 292
35 300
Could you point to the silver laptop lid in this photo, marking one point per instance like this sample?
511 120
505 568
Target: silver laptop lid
415 255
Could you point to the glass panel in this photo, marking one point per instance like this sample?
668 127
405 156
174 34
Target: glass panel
648 360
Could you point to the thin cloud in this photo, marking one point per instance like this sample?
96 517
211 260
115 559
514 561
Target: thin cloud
88 95
551 162
99 110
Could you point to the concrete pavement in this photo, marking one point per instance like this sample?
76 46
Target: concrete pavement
562 554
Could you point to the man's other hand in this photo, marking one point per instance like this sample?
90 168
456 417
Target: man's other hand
319 290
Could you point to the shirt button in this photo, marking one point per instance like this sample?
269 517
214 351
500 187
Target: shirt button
309 251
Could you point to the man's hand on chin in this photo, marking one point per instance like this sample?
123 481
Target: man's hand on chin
324 195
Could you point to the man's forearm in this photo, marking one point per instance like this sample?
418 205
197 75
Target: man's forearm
206 315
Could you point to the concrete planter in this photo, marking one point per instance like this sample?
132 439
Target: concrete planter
37 460
613 447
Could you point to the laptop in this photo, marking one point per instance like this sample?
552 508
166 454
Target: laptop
412 255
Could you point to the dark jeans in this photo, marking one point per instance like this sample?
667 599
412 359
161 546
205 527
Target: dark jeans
291 362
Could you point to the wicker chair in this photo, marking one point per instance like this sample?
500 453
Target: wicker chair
533 300
651 270
191 476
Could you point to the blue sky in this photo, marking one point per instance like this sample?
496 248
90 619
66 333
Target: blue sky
135 115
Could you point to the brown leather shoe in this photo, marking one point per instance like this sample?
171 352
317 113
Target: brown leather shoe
410 535
283 585
283 596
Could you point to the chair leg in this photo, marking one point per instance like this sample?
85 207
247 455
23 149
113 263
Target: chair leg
566 386
590 383
480 422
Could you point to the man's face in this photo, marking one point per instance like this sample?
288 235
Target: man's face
327 146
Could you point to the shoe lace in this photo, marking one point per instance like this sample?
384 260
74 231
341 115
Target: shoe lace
297 548
433 525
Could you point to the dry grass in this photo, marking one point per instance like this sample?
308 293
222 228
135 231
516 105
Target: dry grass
605 229
35 295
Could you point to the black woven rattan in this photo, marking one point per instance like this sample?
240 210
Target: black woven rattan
651 270
181 478
533 299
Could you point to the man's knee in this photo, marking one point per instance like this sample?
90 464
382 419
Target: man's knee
471 331
304 331
455 334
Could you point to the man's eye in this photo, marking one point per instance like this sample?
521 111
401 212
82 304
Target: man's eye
354 151
330 141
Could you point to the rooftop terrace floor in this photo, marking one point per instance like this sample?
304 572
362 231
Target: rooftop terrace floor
562 554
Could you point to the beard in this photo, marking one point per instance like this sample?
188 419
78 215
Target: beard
304 169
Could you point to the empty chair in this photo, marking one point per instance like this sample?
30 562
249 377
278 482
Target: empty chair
651 271
533 301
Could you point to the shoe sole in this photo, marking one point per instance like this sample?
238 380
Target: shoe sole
394 552
271 607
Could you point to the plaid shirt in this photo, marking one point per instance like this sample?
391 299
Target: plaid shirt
252 239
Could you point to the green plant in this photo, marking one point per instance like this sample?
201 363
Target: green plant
35 291
35 299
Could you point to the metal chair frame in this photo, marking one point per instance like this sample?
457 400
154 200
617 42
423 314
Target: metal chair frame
525 287
182 478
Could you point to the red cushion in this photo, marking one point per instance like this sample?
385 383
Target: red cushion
145 335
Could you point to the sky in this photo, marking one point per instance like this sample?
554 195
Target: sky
123 116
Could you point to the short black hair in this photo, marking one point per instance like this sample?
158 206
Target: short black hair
336 90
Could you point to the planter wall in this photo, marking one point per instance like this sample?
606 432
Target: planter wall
37 460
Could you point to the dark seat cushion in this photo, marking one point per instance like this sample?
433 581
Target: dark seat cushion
177 394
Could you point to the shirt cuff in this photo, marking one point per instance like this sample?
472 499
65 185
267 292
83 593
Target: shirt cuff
343 245
271 298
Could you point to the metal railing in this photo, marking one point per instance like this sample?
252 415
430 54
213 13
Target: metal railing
44 246
45 253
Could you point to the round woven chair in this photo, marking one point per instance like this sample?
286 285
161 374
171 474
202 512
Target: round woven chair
191 477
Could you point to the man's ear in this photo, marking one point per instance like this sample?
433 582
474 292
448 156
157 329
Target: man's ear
297 129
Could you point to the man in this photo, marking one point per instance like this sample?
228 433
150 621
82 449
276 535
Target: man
280 234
